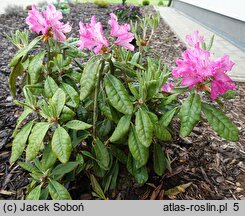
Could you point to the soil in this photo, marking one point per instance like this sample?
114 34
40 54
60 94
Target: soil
216 168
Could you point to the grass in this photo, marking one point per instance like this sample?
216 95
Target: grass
129 2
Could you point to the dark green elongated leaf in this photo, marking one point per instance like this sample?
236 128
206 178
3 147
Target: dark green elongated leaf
19 142
50 87
30 99
141 175
66 114
103 128
153 117
162 133
137 149
48 158
190 113
167 117
29 167
36 139
152 88
36 89
71 95
118 95
134 90
144 127
121 129
89 76
170 99
22 52
220 122
35 67
58 100
96 187
58 191
97 170
159 160
22 117
59 171
102 154
78 125
61 144
119 154
44 194
114 172
17 71
34 194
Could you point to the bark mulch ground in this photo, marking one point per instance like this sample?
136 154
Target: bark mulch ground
215 167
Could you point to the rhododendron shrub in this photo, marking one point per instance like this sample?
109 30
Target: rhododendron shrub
114 110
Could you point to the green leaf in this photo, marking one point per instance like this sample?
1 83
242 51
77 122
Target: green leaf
34 194
114 173
36 89
159 160
121 129
17 71
118 95
141 175
144 127
44 194
22 52
36 139
19 142
50 87
35 67
162 133
137 149
30 99
96 187
152 88
61 144
102 154
78 125
29 167
66 114
190 113
58 191
167 117
119 154
72 96
220 122
58 100
48 158
21 118
89 76
59 171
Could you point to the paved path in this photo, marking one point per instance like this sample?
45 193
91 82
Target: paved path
182 26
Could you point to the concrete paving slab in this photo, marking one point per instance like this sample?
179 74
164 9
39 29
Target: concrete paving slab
182 26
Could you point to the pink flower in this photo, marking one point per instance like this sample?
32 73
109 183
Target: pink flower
196 67
194 39
168 87
124 37
37 23
221 82
47 23
91 36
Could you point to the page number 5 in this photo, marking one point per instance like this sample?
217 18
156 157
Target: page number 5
235 207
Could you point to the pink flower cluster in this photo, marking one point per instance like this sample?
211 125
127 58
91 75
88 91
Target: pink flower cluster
91 35
48 23
196 67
